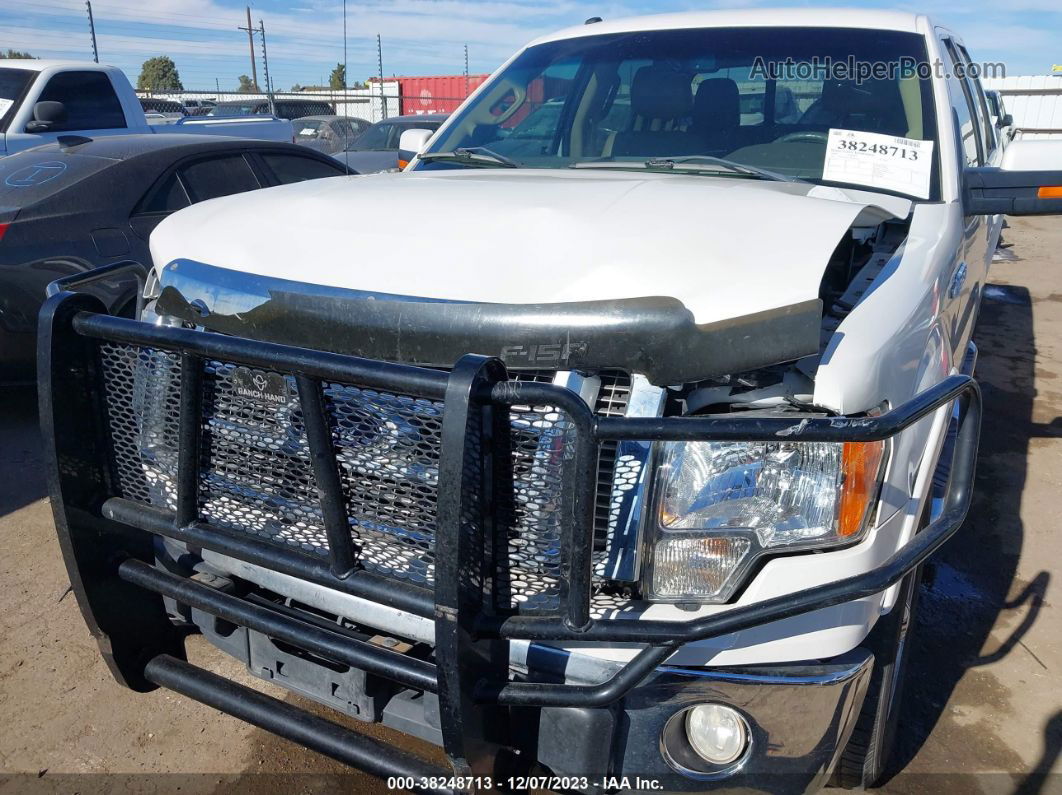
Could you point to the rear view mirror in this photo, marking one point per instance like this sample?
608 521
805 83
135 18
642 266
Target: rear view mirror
411 144
46 115
1006 121
1028 181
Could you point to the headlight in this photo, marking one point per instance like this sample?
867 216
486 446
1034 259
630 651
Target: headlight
720 505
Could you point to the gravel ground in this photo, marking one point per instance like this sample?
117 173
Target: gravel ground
983 713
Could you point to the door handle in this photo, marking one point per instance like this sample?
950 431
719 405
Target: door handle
958 279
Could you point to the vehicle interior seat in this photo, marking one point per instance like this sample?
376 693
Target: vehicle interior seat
717 114
872 105
661 107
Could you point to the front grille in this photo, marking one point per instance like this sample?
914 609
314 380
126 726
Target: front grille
614 395
256 476
612 401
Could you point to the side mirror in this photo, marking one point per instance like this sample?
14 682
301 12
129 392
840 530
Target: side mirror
1006 121
46 115
1028 181
411 144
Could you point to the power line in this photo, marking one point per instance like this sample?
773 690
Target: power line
132 10
134 30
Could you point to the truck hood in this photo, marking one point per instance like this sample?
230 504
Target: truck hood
724 247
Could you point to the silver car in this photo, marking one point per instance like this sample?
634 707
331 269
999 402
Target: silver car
376 149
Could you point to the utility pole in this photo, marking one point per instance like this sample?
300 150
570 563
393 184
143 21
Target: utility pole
344 47
379 62
217 85
92 30
466 70
250 44
265 65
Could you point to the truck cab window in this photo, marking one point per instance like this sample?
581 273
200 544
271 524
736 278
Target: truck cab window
981 103
89 99
963 104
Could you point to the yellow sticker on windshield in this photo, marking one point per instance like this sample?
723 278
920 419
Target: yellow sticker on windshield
889 162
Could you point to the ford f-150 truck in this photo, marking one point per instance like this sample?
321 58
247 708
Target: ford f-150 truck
618 468
41 100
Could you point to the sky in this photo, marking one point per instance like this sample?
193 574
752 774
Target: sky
423 37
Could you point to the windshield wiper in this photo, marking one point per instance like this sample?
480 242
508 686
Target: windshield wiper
473 155
691 163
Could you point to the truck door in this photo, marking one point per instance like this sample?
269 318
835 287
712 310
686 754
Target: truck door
962 290
91 104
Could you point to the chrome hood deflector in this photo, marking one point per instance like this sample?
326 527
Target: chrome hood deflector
655 336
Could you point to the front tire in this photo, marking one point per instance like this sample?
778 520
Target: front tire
863 761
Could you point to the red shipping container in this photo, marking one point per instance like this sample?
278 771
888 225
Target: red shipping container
435 94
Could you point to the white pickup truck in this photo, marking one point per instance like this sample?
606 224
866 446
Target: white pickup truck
618 469
41 100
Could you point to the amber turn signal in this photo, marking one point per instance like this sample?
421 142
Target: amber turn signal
1049 192
860 465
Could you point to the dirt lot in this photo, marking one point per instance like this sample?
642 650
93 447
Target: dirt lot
983 713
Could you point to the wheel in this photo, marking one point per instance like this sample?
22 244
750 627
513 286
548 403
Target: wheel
863 761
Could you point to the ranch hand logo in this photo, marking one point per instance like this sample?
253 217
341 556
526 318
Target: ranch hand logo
257 385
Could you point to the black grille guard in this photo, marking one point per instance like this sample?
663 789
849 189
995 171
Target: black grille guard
107 545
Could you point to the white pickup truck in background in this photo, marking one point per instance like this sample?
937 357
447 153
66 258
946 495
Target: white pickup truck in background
41 100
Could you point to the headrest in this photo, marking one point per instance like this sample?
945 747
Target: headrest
852 97
658 92
716 105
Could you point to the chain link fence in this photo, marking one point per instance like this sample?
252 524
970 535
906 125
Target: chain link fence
372 104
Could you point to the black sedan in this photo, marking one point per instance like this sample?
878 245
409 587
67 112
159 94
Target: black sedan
80 203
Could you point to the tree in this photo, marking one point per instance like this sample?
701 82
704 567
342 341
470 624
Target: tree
338 78
159 74
296 88
15 54
247 87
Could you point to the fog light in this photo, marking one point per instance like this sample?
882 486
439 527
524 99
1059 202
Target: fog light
716 732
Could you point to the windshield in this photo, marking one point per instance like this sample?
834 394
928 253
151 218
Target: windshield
647 95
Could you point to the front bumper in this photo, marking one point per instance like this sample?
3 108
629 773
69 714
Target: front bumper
799 717
106 539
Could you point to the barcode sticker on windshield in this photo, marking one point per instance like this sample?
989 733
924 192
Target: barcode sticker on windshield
889 162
